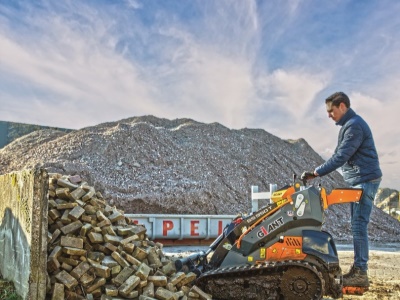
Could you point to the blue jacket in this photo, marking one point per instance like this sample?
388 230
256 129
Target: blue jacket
355 152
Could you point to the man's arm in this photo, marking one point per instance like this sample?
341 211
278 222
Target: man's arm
352 139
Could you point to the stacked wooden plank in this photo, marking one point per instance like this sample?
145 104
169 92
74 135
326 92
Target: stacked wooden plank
95 252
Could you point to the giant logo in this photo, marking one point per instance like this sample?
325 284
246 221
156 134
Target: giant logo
271 227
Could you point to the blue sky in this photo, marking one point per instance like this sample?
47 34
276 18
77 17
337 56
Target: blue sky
256 64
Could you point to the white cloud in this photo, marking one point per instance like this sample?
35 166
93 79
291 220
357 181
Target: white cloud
294 91
133 4
213 88
84 75
77 64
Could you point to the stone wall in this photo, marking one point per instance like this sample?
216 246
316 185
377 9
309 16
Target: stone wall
23 231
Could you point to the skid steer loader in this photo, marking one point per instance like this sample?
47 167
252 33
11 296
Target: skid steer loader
277 252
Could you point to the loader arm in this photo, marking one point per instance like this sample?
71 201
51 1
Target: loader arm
338 196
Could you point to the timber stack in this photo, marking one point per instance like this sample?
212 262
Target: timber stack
95 252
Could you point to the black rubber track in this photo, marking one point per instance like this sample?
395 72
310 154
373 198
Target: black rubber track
267 281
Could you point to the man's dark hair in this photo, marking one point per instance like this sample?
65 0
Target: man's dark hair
338 98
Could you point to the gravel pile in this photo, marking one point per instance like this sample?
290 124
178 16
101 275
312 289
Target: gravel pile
152 165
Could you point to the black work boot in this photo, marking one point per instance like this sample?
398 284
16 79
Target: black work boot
350 273
358 278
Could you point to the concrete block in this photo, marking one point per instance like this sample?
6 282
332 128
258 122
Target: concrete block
111 290
100 270
123 276
64 182
129 248
193 295
202 295
52 262
143 271
73 295
153 258
100 216
65 220
74 179
74 251
76 213
158 280
54 214
108 261
115 240
133 295
128 285
119 259
189 277
164 294
170 287
86 279
132 238
68 260
66 279
70 228
140 230
130 259
54 236
66 267
90 209
77 193
85 229
115 270
79 270
104 223
63 193
111 247
169 268
96 256
96 285
58 292
115 216
67 241
109 230
177 278
95 238
86 218
141 297
90 193
148 290
179 294
125 231
139 253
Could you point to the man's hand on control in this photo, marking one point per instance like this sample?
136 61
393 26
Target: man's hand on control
308 175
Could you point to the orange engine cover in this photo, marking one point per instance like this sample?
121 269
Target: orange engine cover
289 248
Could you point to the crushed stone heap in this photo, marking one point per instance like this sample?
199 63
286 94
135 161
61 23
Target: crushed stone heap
95 252
147 165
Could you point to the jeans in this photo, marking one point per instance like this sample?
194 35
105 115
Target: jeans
360 213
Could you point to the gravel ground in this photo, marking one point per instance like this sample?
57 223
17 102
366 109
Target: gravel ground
384 270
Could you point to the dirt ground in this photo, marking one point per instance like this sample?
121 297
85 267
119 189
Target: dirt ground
384 274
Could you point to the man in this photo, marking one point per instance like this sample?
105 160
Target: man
357 155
